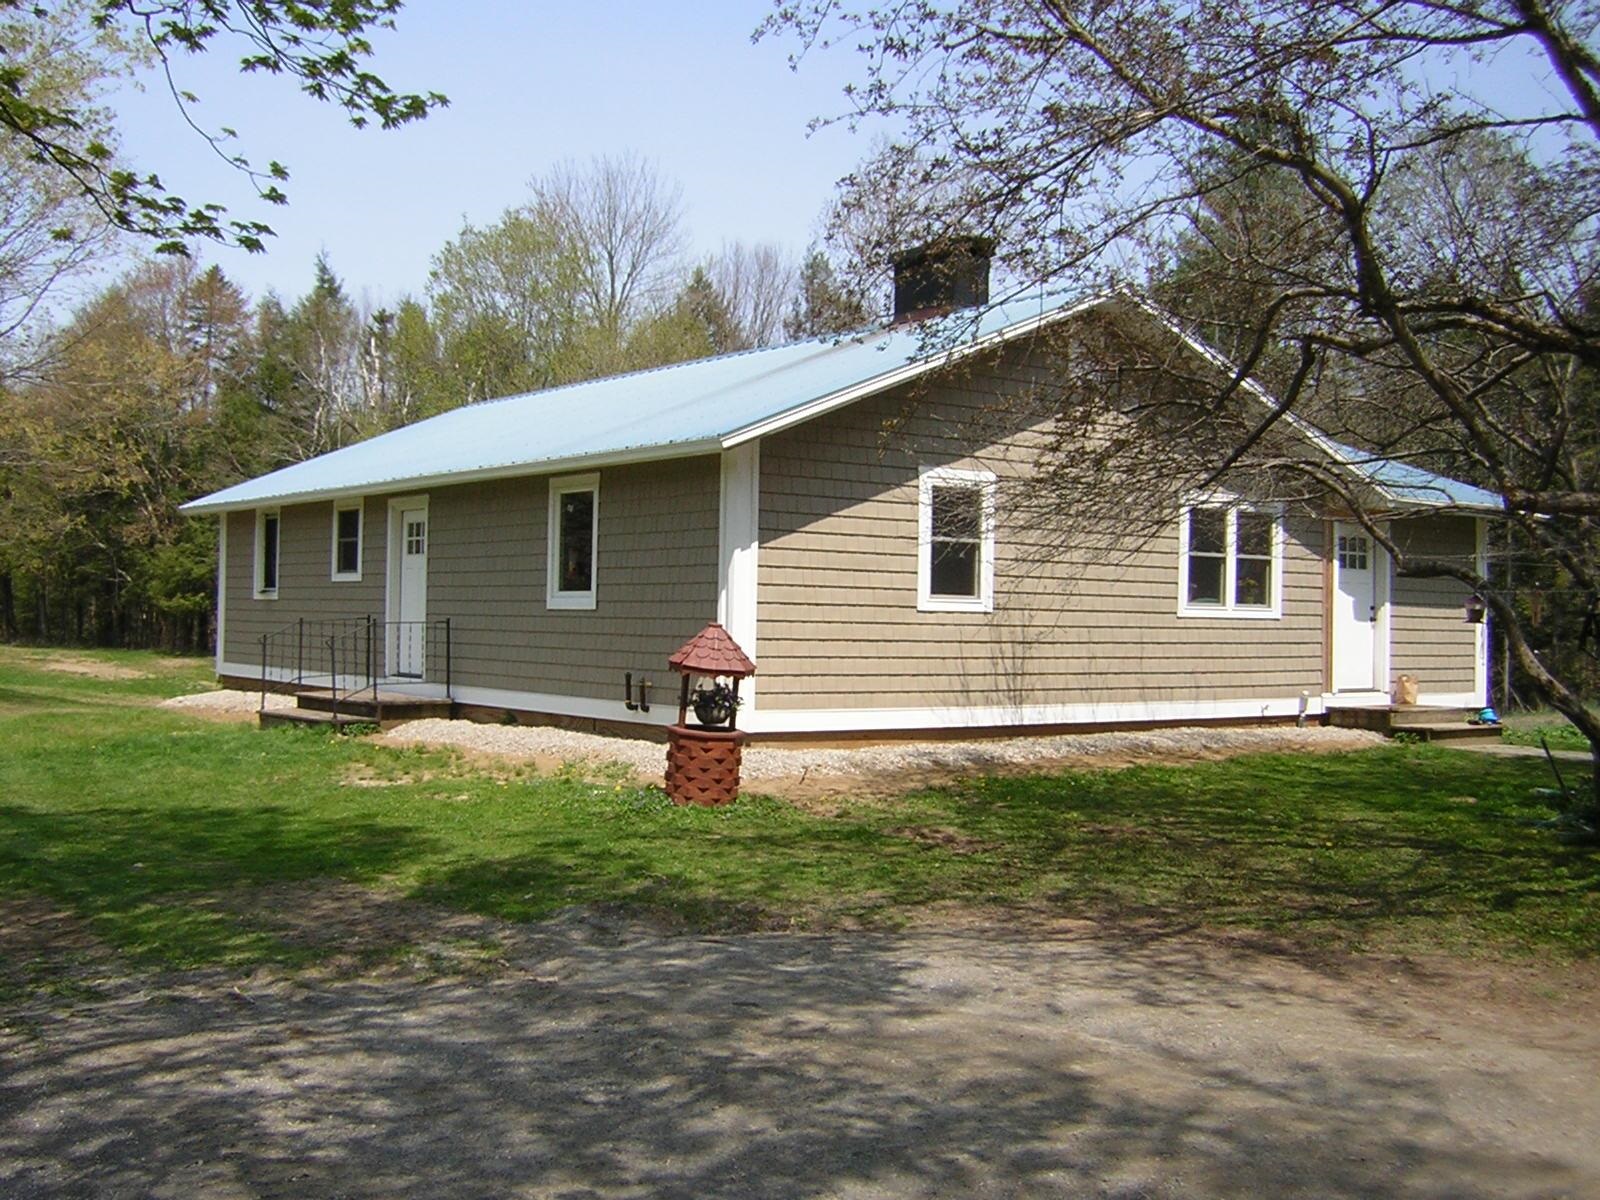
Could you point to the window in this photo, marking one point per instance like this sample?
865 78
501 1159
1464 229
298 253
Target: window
955 543
266 556
1353 551
1230 561
574 530
347 542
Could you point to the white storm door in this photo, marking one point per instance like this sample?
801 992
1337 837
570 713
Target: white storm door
1356 563
408 648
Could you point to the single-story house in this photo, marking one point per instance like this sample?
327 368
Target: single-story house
545 553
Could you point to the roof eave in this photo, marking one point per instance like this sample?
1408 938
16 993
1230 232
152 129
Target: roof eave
618 458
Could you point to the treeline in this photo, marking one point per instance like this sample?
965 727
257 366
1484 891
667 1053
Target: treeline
171 382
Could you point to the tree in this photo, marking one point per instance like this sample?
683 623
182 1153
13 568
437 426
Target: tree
1432 309
324 47
49 230
823 304
508 301
755 284
625 225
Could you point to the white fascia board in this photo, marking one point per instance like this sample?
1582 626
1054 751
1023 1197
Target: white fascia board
617 458
1301 426
812 409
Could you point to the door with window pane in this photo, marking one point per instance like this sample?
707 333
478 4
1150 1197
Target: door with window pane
1356 566
408 647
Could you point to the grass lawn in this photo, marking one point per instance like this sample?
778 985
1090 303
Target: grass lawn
163 832
1527 728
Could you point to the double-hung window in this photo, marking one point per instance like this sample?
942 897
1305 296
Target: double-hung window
573 537
266 573
955 543
347 542
1230 561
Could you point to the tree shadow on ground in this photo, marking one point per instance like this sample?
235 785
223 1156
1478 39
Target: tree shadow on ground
605 1062
146 878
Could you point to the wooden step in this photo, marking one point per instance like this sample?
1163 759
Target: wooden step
1429 722
1440 731
341 722
386 707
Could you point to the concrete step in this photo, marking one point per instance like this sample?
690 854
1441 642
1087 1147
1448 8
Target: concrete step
302 716
386 707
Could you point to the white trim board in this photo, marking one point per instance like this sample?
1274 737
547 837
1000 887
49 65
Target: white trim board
866 719
739 554
222 586
862 720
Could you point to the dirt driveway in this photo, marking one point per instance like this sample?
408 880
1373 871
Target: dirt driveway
593 1058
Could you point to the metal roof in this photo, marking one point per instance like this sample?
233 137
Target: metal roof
1408 484
713 404
697 407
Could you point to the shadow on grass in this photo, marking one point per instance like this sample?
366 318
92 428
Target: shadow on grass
1346 842
146 878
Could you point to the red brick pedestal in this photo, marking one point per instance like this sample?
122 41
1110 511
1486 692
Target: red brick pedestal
703 765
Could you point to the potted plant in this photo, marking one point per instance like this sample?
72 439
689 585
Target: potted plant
714 705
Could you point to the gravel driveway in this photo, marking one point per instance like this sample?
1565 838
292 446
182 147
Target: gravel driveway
597 1059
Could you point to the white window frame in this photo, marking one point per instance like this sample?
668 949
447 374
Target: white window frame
984 482
359 508
258 577
1229 609
555 598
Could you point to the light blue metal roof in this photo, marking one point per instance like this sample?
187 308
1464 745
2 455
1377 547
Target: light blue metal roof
711 404
692 408
1410 484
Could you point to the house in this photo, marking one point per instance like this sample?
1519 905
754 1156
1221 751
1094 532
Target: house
545 553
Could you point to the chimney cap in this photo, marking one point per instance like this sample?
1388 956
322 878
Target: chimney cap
969 245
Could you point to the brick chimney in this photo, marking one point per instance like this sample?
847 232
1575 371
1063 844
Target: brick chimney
932 279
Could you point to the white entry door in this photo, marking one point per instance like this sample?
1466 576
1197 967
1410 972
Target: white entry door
408 640
1358 564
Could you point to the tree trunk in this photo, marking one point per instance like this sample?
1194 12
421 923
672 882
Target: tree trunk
8 608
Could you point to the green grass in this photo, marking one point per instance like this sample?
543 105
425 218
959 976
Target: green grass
180 841
1544 726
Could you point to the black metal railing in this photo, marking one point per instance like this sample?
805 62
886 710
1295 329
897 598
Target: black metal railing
348 656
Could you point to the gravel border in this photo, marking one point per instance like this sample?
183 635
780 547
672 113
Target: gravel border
771 762
228 700
779 762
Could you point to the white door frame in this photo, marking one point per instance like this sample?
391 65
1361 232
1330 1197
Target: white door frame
394 550
1382 591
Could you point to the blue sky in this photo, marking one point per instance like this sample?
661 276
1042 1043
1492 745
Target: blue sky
529 86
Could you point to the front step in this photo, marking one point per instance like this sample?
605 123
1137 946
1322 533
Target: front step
386 708
1427 723
338 722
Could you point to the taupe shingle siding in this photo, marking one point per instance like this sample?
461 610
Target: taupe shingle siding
838 617
656 577
1430 637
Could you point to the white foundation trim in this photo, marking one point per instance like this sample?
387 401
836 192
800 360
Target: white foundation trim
738 554
222 584
842 720
663 710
